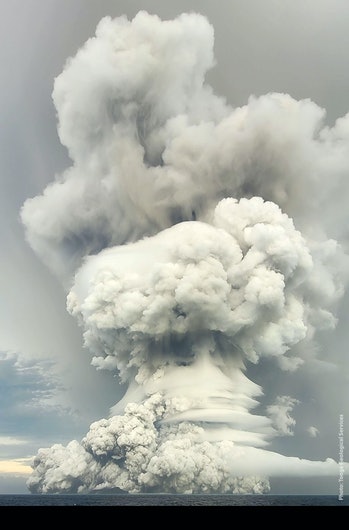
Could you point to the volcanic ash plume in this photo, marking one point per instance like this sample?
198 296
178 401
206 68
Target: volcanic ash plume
189 238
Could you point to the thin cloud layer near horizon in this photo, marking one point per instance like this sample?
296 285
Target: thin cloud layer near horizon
175 281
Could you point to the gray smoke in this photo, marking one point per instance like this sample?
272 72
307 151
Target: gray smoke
191 238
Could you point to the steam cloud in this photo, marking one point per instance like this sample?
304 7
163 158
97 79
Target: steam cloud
192 238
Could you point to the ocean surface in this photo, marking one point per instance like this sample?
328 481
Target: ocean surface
171 500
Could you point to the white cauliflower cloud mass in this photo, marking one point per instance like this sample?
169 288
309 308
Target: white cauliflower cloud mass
192 238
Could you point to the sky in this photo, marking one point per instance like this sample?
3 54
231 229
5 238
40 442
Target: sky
50 392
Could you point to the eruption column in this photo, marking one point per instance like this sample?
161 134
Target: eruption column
188 238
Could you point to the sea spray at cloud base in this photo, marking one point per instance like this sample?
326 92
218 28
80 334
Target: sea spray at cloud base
189 239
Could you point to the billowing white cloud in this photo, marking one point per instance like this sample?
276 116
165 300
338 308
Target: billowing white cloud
191 238
279 414
138 452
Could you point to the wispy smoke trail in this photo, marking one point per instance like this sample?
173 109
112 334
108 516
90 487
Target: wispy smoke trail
192 238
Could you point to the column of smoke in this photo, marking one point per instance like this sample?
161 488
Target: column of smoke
192 238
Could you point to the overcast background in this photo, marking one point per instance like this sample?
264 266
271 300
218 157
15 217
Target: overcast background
48 391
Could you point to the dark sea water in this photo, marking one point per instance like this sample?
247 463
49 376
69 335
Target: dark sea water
172 500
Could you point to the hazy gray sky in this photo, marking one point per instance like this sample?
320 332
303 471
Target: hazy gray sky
49 392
